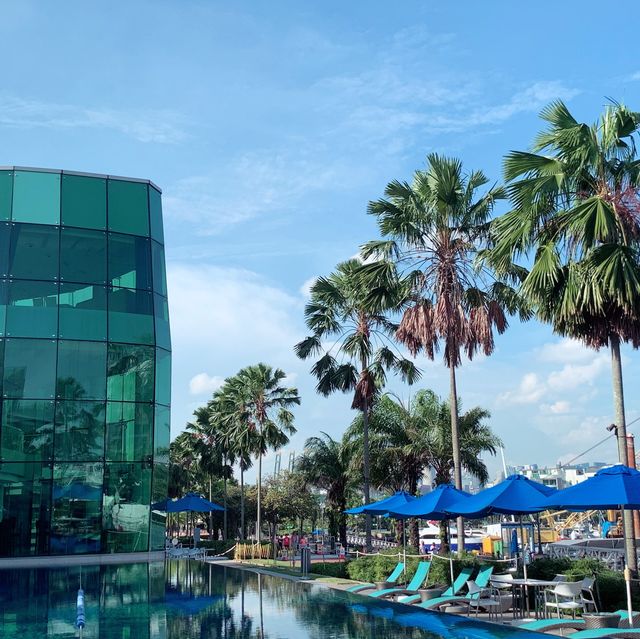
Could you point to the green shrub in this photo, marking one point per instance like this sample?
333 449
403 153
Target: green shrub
331 569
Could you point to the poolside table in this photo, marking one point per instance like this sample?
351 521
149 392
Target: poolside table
537 585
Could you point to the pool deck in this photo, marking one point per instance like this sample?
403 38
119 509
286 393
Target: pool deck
76 560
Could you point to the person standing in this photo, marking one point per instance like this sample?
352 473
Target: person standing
196 535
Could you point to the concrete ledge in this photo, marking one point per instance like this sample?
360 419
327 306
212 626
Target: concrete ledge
81 560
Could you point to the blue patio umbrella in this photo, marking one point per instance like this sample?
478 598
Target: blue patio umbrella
384 506
433 505
189 503
79 491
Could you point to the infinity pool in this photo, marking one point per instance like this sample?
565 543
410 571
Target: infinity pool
192 600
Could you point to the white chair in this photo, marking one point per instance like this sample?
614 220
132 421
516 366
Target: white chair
565 597
488 599
587 596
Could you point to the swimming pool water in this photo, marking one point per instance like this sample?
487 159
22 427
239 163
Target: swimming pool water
184 599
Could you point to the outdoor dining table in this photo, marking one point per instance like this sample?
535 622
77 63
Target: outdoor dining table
537 585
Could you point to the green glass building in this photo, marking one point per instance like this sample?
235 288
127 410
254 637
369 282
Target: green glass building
85 364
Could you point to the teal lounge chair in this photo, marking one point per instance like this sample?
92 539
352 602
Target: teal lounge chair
632 633
454 589
420 576
482 580
547 625
393 578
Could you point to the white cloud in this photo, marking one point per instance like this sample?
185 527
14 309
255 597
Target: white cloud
202 384
144 125
530 390
565 351
633 77
305 289
560 407
573 376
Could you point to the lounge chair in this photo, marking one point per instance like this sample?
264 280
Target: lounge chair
482 581
614 633
393 578
420 576
547 625
454 589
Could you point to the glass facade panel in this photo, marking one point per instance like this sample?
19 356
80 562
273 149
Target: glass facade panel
159 273
79 431
84 365
129 431
29 369
129 261
83 311
84 202
27 430
83 256
130 373
32 309
163 377
82 370
155 214
36 197
128 207
131 316
77 508
125 507
6 194
25 495
34 252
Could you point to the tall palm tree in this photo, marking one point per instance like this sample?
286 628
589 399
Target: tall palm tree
576 213
326 464
258 408
354 337
434 229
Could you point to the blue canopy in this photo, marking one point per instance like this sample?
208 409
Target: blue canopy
610 488
189 503
516 495
433 505
78 491
384 506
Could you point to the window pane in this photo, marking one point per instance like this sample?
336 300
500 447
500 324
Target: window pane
130 316
161 310
130 373
29 368
36 197
163 376
34 252
25 495
161 435
80 428
129 431
83 256
5 238
158 493
128 207
4 299
6 194
155 213
32 309
159 274
125 508
84 202
27 430
82 370
77 505
129 261
83 311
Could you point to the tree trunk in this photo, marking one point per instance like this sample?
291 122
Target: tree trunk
444 537
455 443
621 433
242 535
366 472
342 525
211 513
399 532
259 501
224 499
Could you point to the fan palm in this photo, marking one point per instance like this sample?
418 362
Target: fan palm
354 338
326 464
256 408
434 230
577 216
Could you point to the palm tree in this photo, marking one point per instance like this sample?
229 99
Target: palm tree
576 214
354 337
435 228
326 464
410 438
257 406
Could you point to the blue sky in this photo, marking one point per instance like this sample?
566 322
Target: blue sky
269 126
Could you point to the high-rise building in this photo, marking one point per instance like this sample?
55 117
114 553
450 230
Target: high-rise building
85 363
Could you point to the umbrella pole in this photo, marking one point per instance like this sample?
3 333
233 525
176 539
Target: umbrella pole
404 548
627 576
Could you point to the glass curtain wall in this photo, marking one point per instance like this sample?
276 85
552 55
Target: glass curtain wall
85 364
